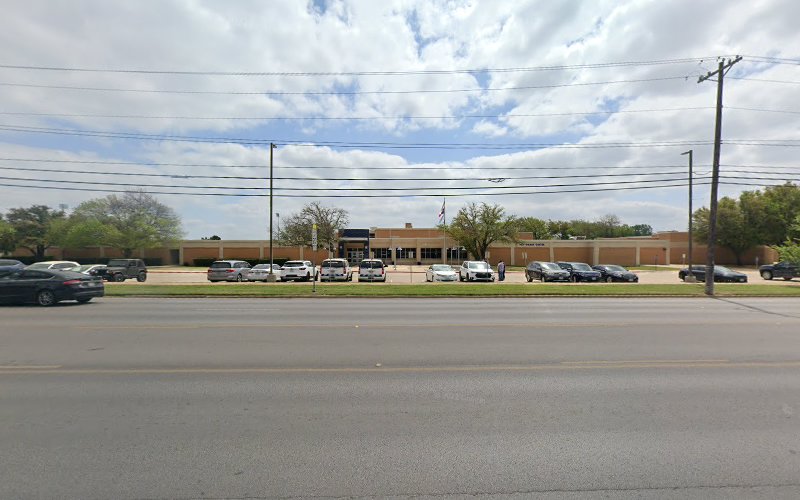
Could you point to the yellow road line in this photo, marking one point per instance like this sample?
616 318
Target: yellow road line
406 369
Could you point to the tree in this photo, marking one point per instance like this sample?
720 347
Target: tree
475 227
297 227
212 237
32 227
7 237
537 227
641 230
135 220
734 230
559 229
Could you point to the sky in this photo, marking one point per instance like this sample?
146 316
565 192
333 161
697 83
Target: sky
557 110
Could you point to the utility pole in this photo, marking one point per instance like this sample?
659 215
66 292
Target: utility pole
712 214
690 274
271 276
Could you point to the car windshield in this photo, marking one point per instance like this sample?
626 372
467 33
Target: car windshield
215 265
333 263
581 267
478 265
39 265
722 269
117 263
442 267
294 264
551 266
616 268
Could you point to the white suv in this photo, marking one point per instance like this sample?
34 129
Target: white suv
298 270
335 269
372 270
472 270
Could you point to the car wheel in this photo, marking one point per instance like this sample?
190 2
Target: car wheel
767 275
84 300
141 277
45 298
239 278
609 279
574 279
119 278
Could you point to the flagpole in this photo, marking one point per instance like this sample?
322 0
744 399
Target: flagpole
444 234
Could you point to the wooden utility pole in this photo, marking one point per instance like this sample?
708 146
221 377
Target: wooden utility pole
724 66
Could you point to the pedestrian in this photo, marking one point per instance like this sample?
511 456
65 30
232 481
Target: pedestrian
501 270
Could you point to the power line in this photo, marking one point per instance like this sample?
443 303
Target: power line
342 144
384 195
337 92
652 62
365 189
460 178
334 167
383 117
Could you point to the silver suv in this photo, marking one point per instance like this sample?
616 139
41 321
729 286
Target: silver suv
228 270
473 270
335 270
298 270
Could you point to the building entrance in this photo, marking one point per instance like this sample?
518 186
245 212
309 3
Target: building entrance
355 255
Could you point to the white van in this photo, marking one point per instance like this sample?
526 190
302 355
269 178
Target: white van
335 270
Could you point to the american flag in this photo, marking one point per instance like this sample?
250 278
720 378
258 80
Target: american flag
441 212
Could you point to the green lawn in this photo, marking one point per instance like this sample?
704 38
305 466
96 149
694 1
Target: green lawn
448 290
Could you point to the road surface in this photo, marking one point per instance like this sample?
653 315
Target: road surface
443 398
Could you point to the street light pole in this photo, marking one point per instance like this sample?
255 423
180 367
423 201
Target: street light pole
690 274
271 276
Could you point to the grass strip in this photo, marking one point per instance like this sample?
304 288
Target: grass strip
450 290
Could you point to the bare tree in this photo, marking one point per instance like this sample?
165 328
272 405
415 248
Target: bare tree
296 228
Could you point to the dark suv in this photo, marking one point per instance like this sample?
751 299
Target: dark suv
122 269
785 270
545 271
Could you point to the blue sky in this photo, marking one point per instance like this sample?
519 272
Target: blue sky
490 83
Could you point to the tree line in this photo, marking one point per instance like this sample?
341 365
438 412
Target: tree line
762 217
128 222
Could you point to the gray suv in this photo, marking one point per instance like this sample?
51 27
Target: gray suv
228 270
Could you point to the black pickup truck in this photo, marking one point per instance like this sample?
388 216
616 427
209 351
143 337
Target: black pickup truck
785 270
122 269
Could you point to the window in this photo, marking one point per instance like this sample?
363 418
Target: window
407 253
431 253
381 253
456 253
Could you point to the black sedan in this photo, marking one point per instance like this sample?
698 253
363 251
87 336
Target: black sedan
611 273
785 270
47 287
580 271
721 274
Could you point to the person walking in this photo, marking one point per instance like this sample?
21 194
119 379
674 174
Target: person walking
501 270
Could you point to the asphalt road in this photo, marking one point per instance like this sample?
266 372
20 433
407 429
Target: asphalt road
501 398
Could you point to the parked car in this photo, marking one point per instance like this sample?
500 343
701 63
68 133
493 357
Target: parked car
47 287
92 269
59 265
612 272
545 271
260 272
440 272
123 269
372 270
9 265
580 271
721 274
298 270
785 270
474 270
335 270
227 270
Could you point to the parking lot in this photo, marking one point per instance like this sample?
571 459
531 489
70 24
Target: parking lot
167 275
